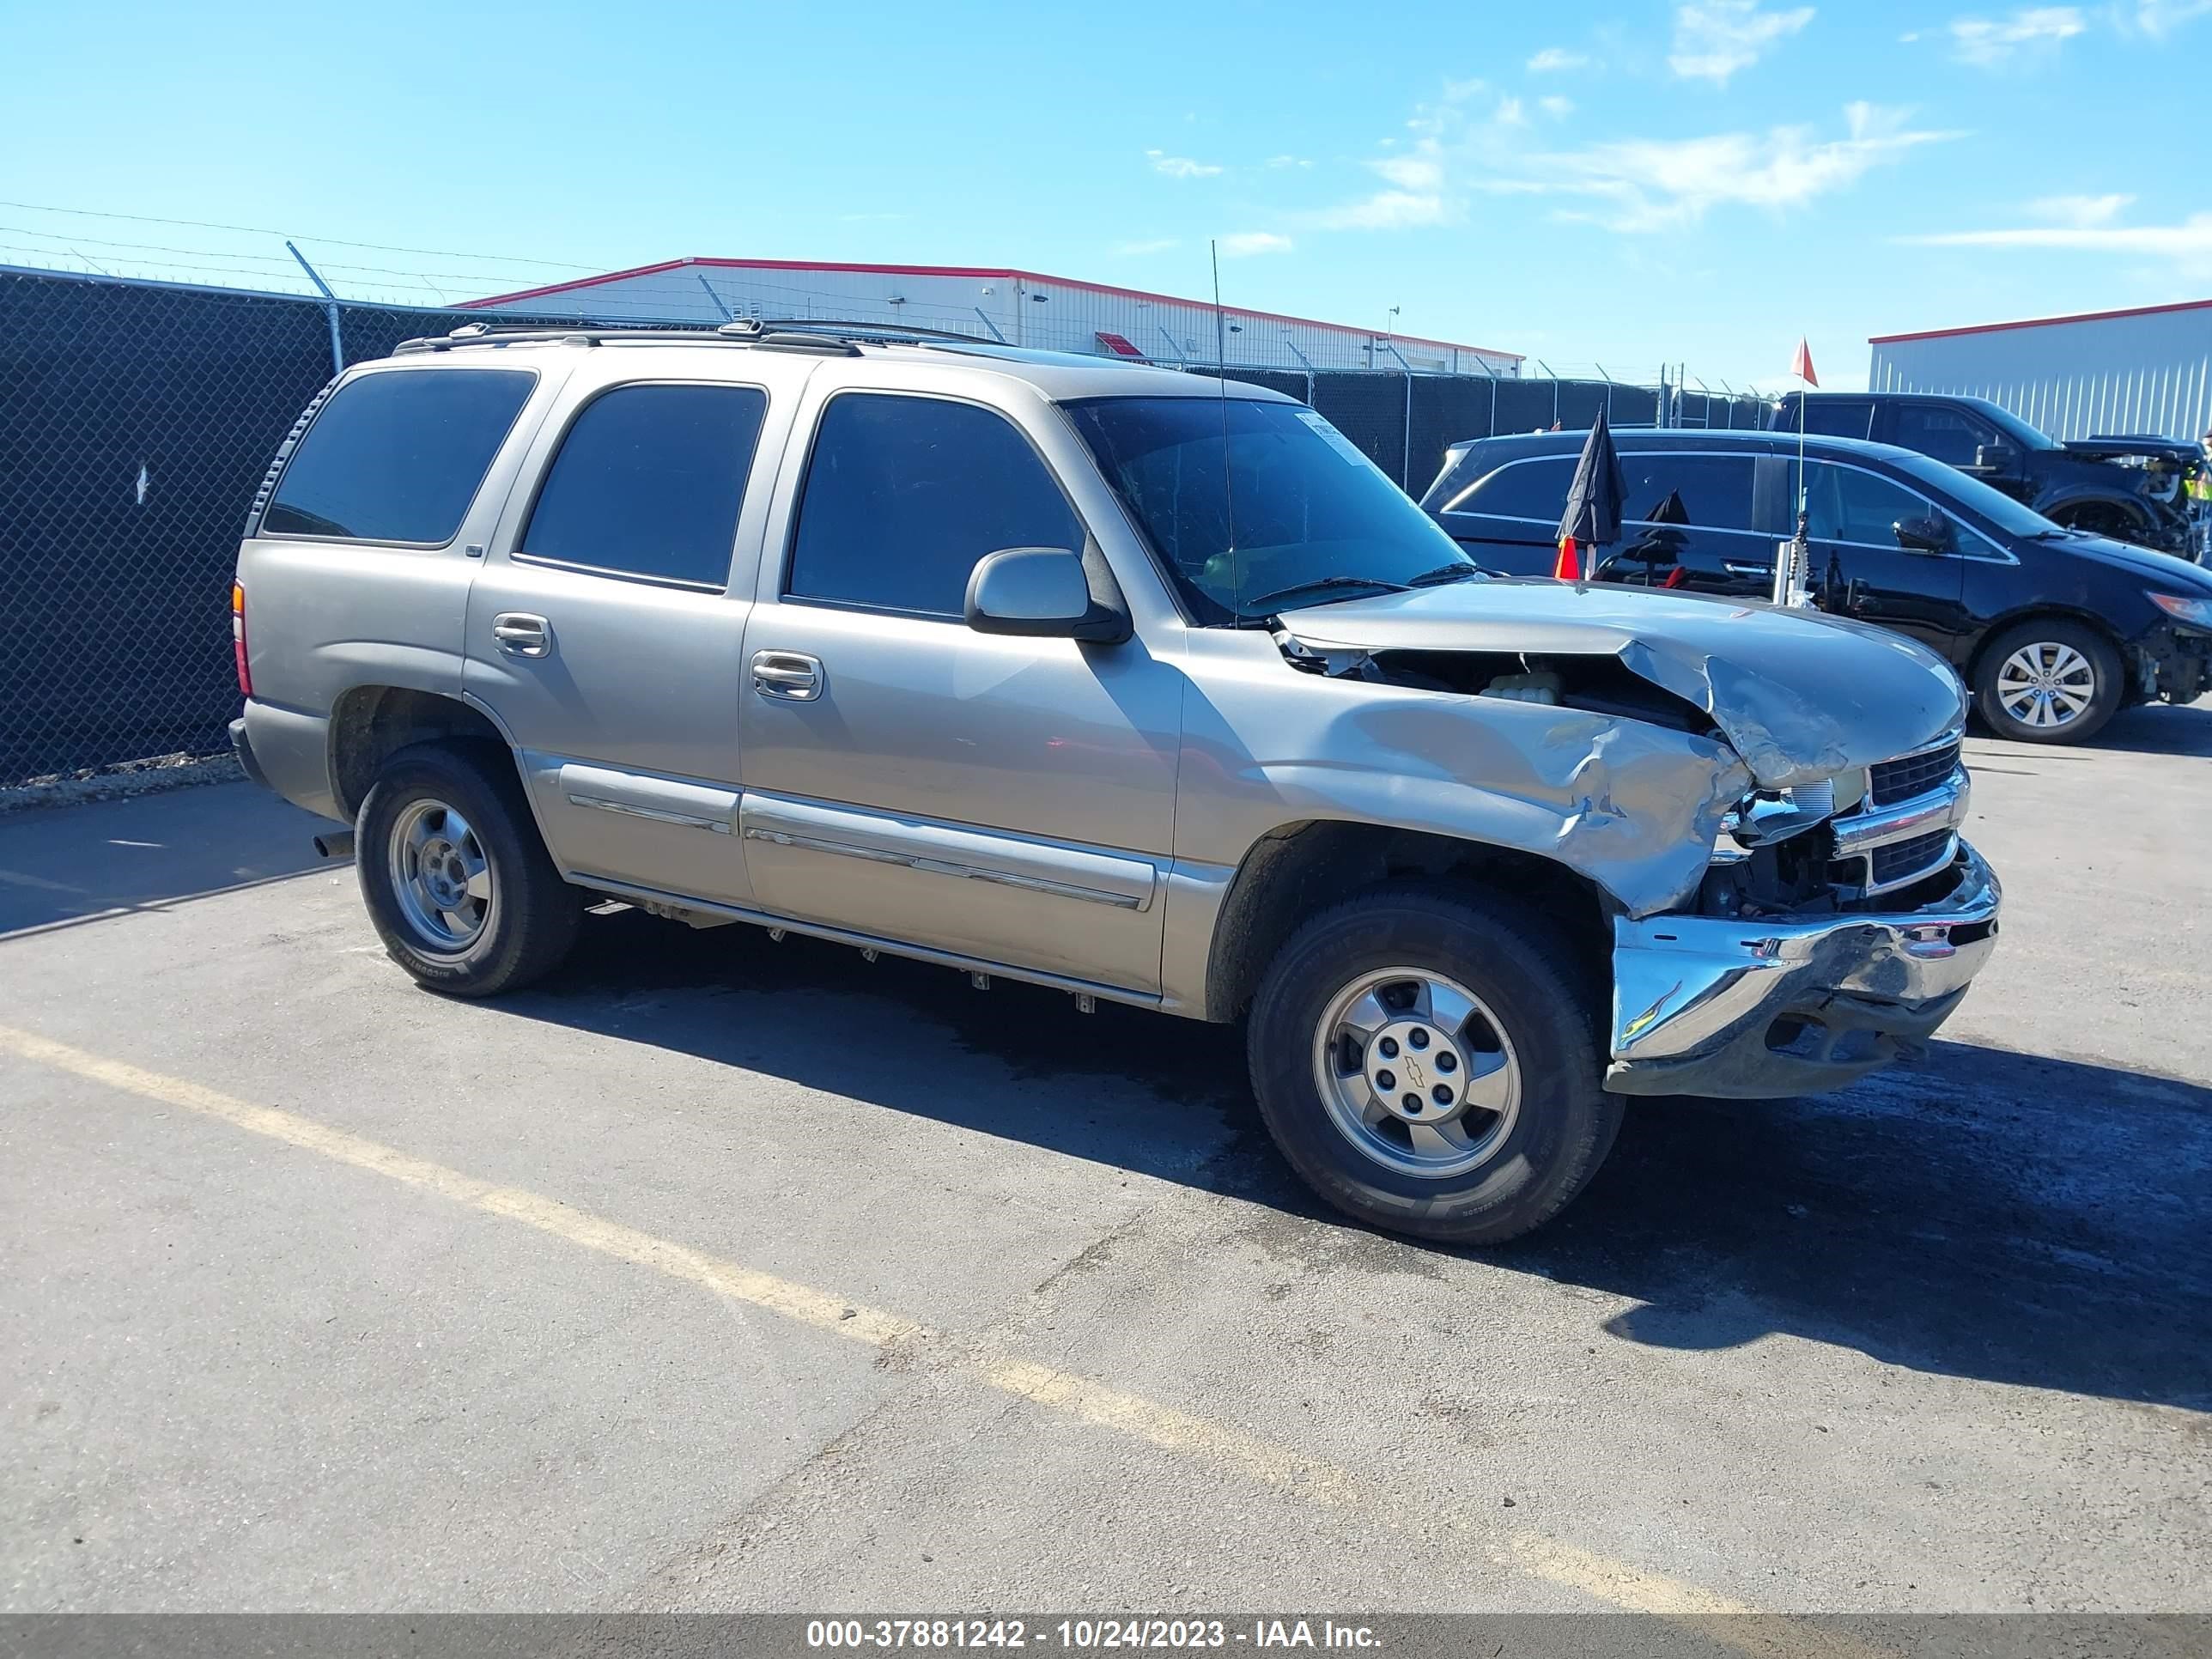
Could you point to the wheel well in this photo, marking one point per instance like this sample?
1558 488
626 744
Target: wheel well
372 723
2068 512
1302 868
1997 630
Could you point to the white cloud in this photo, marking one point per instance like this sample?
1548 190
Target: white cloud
1180 167
2159 18
1153 245
1247 242
2187 245
1387 209
2080 210
1510 114
1660 184
1714 39
1422 171
1557 108
1288 162
1554 58
1991 42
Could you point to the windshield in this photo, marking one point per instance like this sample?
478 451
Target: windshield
2012 425
1957 489
1314 519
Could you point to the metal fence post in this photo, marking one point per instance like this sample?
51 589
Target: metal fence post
331 302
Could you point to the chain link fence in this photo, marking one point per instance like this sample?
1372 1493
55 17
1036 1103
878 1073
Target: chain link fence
137 419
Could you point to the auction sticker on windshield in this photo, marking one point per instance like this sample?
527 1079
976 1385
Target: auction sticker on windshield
1335 439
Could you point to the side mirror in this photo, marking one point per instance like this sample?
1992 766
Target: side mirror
1044 592
1994 457
1930 535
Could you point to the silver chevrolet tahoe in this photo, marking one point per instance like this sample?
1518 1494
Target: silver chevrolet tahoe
1130 682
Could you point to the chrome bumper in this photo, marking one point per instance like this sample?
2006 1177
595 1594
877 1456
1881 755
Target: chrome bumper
1707 1006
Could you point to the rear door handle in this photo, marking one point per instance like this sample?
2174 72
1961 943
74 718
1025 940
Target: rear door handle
1736 570
787 676
522 634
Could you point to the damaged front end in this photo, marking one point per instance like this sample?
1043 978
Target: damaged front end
1834 918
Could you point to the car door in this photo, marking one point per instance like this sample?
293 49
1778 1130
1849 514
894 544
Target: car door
1859 568
997 799
605 632
1686 522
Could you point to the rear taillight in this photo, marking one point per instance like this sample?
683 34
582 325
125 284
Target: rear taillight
238 640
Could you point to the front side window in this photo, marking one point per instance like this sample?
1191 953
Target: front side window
903 496
1847 505
398 455
1711 491
1943 434
1296 512
648 483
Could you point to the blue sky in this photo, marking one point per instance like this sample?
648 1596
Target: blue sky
1623 184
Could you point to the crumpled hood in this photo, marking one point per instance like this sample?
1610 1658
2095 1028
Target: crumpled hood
1798 694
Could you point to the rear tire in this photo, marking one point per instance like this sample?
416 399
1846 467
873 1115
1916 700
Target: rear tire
2049 680
456 880
1428 1064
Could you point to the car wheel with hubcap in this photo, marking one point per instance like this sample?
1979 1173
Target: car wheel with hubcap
455 879
2049 680
1427 1065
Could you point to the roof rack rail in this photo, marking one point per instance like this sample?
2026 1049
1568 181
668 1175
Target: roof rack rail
839 336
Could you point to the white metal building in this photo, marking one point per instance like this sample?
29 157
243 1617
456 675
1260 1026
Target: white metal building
2140 371
1019 308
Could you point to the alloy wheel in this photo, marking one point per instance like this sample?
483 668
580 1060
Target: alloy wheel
2047 684
1415 1071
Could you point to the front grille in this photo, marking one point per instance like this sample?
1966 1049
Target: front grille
1903 858
1916 774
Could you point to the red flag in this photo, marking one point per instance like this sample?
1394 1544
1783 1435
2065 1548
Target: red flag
1568 568
1802 367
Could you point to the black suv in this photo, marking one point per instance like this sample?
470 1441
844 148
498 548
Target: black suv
2133 489
2052 630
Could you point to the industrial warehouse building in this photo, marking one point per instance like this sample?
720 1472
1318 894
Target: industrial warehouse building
1017 307
2141 371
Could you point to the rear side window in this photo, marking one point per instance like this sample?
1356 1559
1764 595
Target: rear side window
1825 418
1711 491
1947 434
904 495
398 456
648 483
1523 489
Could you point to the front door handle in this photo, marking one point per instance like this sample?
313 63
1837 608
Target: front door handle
522 634
787 676
1735 569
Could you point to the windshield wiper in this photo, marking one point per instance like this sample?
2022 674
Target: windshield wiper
1445 572
1318 585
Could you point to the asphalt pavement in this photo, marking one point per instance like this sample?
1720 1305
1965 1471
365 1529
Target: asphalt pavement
718 1275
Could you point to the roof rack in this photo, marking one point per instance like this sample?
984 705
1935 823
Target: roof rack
839 338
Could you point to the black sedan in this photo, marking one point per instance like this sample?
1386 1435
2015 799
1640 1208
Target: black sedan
2054 631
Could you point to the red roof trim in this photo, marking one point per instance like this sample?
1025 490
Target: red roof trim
998 272
2041 322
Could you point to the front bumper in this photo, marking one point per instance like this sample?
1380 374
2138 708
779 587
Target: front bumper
2177 663
1747 1009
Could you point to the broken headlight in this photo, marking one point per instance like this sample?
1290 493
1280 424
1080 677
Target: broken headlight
1767 816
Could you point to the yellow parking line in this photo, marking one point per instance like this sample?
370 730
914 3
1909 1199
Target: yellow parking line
1603 1579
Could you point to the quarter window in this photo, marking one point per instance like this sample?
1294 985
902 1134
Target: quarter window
1846 505
904 495
648 483
1524 489
398 456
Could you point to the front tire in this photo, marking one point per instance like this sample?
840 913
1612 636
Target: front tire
2049 680
455 879
1427 1065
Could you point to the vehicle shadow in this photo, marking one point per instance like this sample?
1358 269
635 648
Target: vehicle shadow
2155 728
60 865
1986 1214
